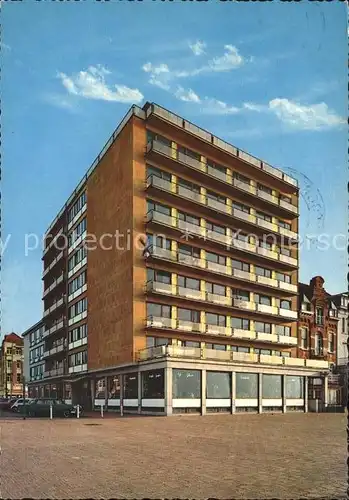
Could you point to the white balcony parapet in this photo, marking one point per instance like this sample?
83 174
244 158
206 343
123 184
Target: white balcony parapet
271 360
78 266
218 299
240 214
77 343
267 337
244 186
189 194
77 318
160 183
221 238
244 304
263 280
189 293
288 206
218 330
190 261
246 357
218 268
217 174
244 334
294 361
267 196
264 308
159 322
188 326
287 313
77 292
244 275
266 224
287 339
288 233
316 363
287 286
190 228
218 205
154 216
77 217
54 306
158 287
288 260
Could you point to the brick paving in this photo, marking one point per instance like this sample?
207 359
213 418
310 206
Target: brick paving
222 456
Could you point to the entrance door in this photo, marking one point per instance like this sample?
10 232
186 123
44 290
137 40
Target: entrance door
81 394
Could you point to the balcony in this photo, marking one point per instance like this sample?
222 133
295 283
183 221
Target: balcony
218 206
56 327
244 304
196 353
221 300
218 330
55 283
266 309
267 337
158 287
55 372
77 242
188 326
159 322
54 350
53 241
77 343
154 216
54 306
190 228
289 287
287 313
218 268
168 154
53 263
189 293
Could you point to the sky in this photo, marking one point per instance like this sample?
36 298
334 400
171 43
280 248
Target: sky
268 77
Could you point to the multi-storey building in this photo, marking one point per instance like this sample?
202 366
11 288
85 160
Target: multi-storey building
34 361
341 303
171 277
11 366
318 323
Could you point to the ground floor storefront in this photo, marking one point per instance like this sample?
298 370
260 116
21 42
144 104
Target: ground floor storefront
177 386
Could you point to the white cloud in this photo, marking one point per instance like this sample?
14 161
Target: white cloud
156 70
187 95
198 47
216 107
91 85
254 107
313 117
231 59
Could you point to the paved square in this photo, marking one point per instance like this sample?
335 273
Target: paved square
222 456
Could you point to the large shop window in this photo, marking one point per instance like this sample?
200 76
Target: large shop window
153 384
271 386
186 384
294 387
131 386
246 385
114 387
218 385
100 389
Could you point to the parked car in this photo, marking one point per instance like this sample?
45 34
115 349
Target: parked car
6 403
41 408
19 402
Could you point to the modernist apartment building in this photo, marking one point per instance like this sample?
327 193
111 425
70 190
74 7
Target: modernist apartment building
11 366
171 278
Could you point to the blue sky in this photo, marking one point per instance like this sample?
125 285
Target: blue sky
268 77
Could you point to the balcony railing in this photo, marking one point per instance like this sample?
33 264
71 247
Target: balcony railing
54 284
197 262
217 330
54 328
54 306
53 263
195 353
227 178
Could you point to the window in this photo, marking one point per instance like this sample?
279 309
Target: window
240 349
283 197
159 276
262 271
237 264
215 289
158 242
262 327
306 306
78 256
285 251
294 387
284 224
191 219
157 341
186 384
9 364
131 386
265 244
78 205
246 385
217 259
344 325
189 185
216 197
77 359
153 384
318 344
271 386
218 385
286 278
262 299
77 232
9 377
319 316
240 323
218 168
239 236
265 189
264 352
210 227
190 343
113 385
304 338
158 207
241 207
9 350
185 282
158 310
19 365
188 315
215 319
285 304
78 333
217 347
241 294
330 342
78 308
100 388
263 216
189 152
190 251
152 136
77 283
156 172
283 330
241 178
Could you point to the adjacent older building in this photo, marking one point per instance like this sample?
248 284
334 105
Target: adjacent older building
318 334
340 301
11 366
171 278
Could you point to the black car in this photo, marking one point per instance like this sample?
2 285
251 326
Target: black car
41 408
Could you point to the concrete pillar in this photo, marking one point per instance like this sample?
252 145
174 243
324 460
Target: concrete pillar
203 392
326 390
121 394
283 388
93 387
168 391
233 392
139 392
305 394
260 392
106 393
